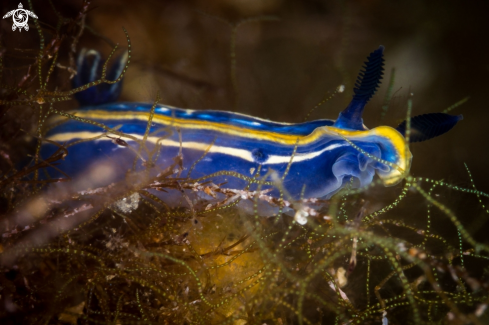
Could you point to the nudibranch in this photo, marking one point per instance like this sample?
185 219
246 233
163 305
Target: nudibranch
312 159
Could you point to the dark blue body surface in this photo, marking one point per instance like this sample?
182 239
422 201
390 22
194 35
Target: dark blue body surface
311 160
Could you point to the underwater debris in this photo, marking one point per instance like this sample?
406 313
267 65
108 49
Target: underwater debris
129 204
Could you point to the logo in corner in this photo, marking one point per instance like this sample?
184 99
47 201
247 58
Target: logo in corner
20 17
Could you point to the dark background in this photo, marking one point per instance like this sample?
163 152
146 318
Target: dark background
285 67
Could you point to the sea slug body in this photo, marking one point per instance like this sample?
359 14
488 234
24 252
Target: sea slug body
313 159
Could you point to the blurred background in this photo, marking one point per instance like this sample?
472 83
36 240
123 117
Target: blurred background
289 55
